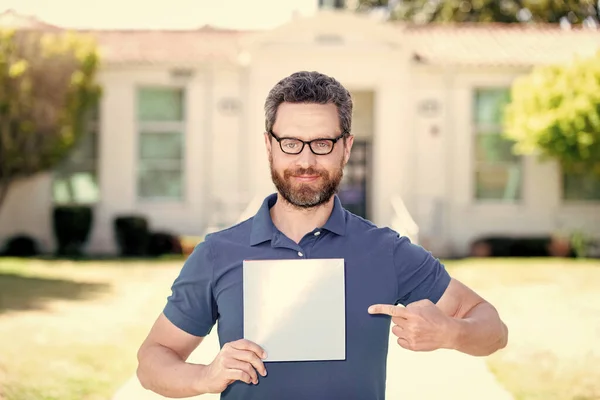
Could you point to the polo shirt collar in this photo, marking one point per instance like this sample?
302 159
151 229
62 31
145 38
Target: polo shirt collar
264 230
337 220
262 224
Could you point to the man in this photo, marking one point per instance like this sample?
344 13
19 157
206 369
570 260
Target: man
308 141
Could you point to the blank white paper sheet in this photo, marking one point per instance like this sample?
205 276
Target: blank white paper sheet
296 309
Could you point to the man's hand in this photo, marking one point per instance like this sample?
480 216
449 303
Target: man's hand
420 326
239 360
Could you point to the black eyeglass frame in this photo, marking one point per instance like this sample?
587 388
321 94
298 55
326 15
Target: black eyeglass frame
309 143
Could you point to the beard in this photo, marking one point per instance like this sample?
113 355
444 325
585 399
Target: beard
307 195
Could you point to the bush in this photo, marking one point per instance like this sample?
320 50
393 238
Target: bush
132 234
500 246
189 243
72 226
163 243
21 246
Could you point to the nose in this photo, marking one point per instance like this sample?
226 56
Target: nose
306 158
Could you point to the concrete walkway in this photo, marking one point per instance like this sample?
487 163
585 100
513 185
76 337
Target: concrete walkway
411 376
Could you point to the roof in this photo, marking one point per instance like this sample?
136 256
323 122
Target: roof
160 46
501 44
436 44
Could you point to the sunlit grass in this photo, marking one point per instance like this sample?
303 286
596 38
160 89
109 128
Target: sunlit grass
70 330
552 309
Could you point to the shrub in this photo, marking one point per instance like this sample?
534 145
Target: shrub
501 246
132 235
21 246
189 243
163 243
72 226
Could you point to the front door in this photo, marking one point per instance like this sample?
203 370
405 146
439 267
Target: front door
353 191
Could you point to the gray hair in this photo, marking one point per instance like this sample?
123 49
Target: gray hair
310 87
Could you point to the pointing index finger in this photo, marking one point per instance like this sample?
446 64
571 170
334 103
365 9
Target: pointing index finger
388 309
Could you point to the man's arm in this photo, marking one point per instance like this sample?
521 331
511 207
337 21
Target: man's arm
163 369
476 327
440 311
162 366
461 320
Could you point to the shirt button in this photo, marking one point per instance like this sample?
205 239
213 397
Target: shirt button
300 254
317 233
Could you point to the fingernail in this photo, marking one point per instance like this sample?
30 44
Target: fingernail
264 355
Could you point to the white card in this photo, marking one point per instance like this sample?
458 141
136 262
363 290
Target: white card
296 309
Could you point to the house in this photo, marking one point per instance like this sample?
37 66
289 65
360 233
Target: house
178 136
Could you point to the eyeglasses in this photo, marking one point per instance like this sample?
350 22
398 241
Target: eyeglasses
320 147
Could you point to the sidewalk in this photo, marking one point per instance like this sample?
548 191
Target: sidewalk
411 376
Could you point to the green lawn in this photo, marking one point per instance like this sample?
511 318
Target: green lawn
70 330
552 309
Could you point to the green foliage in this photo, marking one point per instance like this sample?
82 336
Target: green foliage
47 89
555 113
505 11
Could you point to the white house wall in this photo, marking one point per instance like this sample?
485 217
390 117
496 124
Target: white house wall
429 156
420 127
25 211
214 137
445 172
119 156
216 159
228 191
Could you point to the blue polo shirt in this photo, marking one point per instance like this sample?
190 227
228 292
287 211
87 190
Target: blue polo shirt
380 267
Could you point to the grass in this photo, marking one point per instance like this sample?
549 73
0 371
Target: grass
552 309
70 330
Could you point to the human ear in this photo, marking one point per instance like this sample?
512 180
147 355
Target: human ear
268 143
349 141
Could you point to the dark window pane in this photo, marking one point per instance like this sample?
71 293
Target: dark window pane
489 105
76 188
161 146
160 104
581 187
157 182
494 148
498 182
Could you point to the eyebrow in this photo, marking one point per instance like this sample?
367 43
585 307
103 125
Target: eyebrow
336 135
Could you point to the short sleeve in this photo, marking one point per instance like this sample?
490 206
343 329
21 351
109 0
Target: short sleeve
191 306
420 275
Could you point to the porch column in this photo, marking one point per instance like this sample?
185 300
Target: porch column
392 148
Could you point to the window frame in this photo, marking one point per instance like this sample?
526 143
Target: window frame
160 127
490 129
573 202
69 168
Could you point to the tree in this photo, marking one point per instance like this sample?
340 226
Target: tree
47 89
504 11
555 112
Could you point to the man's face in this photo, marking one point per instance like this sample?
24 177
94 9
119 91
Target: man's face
307 180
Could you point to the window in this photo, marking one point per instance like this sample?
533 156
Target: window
76 179
581 186
498 172
161 123
335 4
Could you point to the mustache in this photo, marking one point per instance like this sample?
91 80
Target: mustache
305 171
